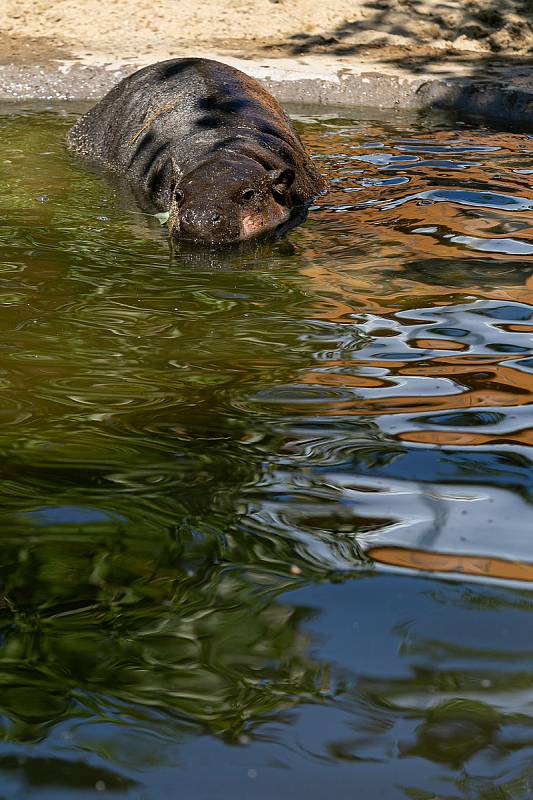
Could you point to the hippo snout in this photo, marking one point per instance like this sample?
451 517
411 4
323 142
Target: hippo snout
201 219
205 224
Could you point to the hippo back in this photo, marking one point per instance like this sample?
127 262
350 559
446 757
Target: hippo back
185 109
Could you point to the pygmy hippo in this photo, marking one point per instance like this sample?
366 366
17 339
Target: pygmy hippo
204 142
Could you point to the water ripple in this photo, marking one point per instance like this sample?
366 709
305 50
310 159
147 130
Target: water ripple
197 449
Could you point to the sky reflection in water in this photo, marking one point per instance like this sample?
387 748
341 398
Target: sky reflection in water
266 516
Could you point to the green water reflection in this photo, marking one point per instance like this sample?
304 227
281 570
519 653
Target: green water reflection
198 454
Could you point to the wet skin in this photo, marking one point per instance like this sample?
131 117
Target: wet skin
229 200
206 143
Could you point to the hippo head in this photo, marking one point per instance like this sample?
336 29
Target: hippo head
229 200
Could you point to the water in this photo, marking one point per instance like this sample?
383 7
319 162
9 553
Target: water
266 516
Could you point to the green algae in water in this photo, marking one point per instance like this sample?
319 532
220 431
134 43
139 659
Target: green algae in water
213 463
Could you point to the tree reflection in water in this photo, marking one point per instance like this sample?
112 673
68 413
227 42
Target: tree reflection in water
241 491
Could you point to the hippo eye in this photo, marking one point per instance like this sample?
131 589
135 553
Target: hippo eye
248 194
178 195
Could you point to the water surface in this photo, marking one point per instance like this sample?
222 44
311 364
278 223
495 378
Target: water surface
267 516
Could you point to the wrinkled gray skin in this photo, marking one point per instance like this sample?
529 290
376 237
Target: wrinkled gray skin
205 142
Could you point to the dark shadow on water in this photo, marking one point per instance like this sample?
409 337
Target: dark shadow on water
60 773
456 273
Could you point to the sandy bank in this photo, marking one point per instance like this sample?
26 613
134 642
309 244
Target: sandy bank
411 53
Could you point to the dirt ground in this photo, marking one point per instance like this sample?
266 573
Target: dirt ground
130 31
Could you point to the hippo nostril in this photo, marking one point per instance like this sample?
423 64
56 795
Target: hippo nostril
192 217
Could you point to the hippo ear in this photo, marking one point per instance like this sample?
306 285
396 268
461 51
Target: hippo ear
282 179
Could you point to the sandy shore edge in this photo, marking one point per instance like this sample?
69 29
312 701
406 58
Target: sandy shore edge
503 93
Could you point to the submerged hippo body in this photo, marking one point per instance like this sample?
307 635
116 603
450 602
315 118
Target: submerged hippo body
204 142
